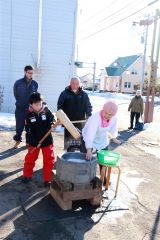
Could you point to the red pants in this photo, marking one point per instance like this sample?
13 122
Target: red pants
48 161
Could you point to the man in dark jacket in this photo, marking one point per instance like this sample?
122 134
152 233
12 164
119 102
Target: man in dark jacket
136 107
75 103
23 88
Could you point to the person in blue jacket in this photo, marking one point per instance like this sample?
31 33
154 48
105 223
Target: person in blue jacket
75 103
22 89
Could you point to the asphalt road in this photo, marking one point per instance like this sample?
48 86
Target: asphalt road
30 213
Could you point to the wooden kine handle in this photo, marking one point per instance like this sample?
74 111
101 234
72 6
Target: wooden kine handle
62 117
79 121
46 135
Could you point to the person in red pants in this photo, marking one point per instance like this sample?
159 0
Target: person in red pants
39 120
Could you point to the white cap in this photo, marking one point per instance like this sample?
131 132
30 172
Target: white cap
138 92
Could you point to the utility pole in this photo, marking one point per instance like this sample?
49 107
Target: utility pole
77 53
94 74
144 59
149 104
146 23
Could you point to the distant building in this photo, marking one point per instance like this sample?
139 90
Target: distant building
124 75
42 34
87 82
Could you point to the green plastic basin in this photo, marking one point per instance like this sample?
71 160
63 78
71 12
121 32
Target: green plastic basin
108 158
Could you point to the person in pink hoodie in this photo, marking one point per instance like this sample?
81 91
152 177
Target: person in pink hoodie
95 134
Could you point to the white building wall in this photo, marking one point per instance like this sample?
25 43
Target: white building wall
134 79
18 42
57 48
19 38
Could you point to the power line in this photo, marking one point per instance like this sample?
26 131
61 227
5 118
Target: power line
132 14
114 14
119 10
100 11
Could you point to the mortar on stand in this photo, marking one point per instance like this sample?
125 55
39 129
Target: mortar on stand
75 179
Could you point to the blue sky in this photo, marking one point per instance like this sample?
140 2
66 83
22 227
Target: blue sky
122 39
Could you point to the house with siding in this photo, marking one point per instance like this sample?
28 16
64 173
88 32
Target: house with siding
87 82
40 33
124 75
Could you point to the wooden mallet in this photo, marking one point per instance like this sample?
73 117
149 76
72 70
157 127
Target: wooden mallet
64 120
45 136
62 117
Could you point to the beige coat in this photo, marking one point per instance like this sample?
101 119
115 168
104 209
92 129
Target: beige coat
136 105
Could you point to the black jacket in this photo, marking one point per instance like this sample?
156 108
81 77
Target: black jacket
22 91
38 125
76 106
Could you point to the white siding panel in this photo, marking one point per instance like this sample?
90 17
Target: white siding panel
19 45
19 28
58 26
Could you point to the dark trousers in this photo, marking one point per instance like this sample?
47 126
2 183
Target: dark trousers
20 115
134 115
79 126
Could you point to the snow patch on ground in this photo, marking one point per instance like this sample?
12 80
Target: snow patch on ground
117 207
152 127
7 121
109 95
154 150
59 129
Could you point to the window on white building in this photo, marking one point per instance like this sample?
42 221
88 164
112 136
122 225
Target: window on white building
134 72
127 85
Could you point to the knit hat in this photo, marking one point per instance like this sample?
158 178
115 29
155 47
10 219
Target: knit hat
110 107
138 92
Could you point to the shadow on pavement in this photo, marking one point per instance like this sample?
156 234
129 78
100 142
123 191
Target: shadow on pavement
156 225
124 136
11 152
4 174
37 215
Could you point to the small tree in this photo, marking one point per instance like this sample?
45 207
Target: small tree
157 89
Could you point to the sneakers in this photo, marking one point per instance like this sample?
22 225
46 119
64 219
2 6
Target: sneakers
47 184
130 128
16 144
26 180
